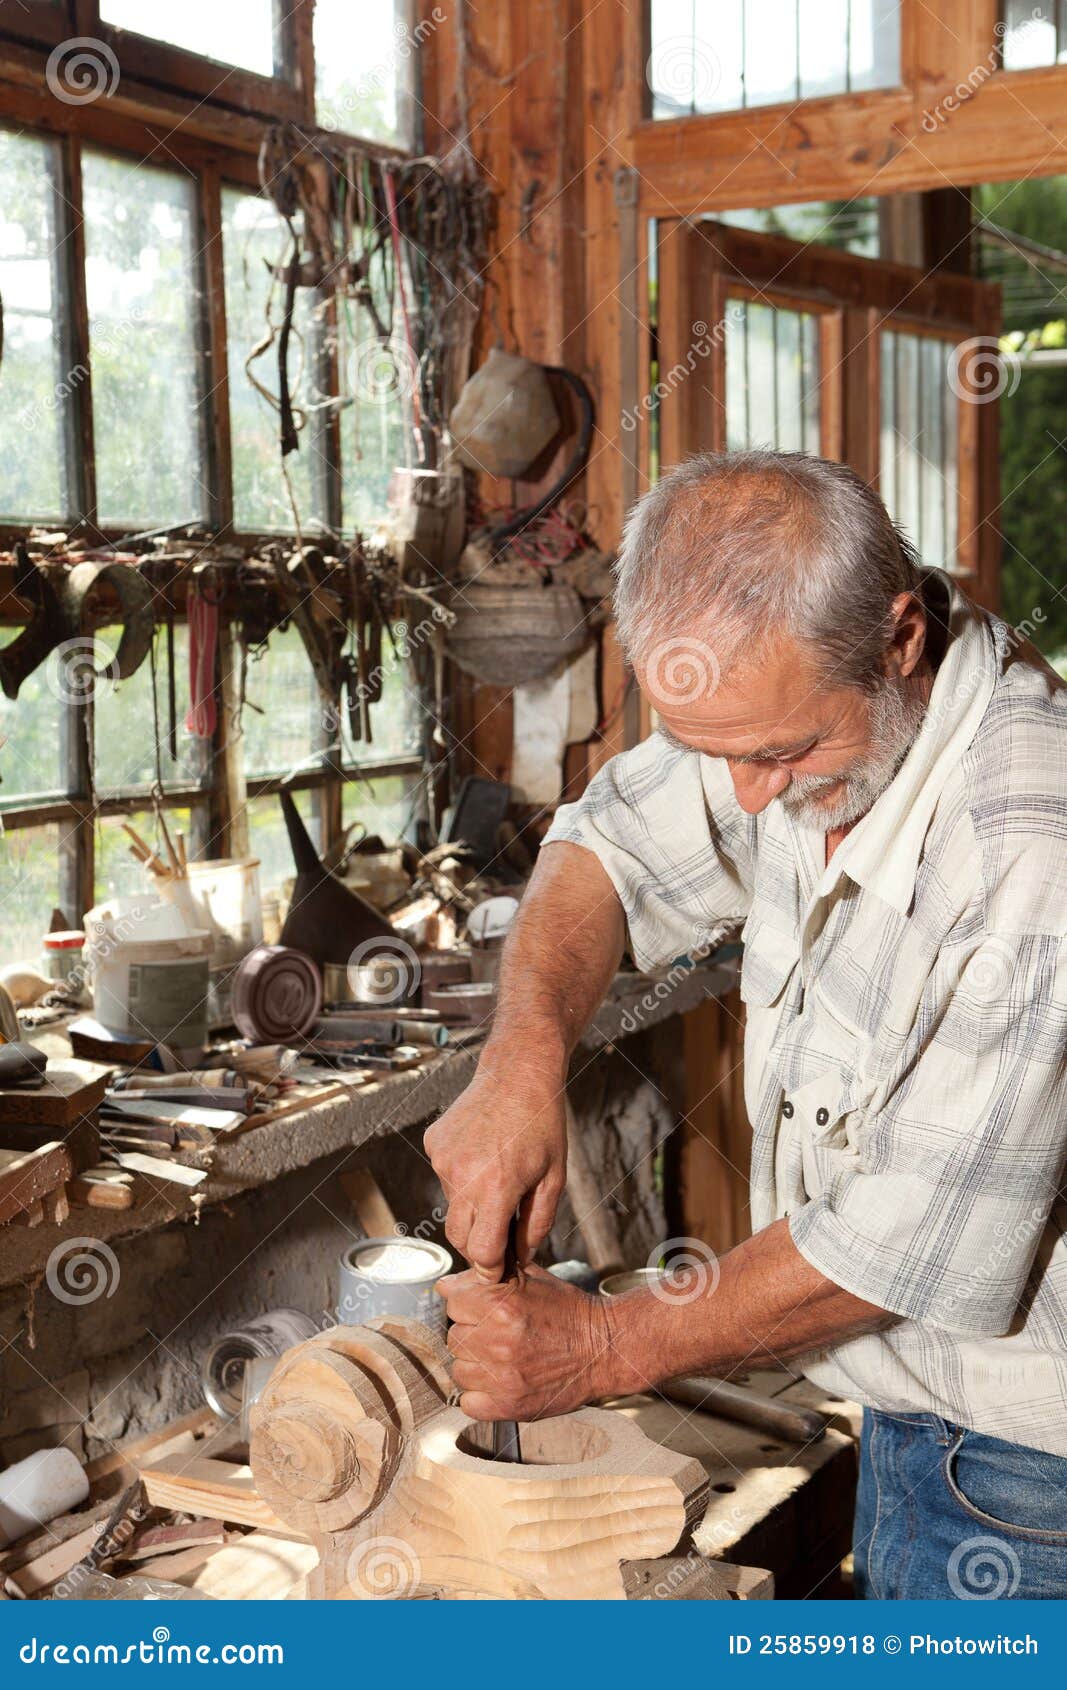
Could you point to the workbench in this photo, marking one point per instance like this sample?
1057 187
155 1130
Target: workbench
345 1117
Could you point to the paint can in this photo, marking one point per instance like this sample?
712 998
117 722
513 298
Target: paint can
395 1276
633 1279
223 1369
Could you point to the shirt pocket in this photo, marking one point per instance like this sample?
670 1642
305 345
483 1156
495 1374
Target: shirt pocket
771 954
828 1130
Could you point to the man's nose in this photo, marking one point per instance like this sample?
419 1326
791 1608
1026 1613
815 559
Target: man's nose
756 786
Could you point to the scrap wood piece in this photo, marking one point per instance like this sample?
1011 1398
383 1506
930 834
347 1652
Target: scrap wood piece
71 1091
27 1176
47 1568
102 1188
55 1533
193 1433
260 1566
367 1199
177 1564
159 1167
218 1490
152 1541
693 1578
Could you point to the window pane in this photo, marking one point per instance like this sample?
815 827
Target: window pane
35 380
269 841
851 225
283 717
29 875
758 52
384 807
125 719
397 720
364 68
378 380
253 238
240 32
118 873
30 728
140 282
919 479
772 378
1030 34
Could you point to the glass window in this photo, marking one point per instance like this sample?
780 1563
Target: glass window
365 65
126 719
284 716
378 381
36 380
760 52
269 842
254 242
240 32
30 730
384 807
118 872
140 281
919 477
29 870
1032 35
850 225
772 378
397 720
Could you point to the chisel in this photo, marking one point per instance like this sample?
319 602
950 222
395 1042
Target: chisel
506 1432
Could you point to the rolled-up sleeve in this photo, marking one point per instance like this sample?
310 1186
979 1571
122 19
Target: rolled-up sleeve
953 1195
668 831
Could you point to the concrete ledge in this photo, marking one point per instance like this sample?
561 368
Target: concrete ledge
275 1147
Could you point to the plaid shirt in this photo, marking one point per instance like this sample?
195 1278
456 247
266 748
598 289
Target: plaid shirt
906 1025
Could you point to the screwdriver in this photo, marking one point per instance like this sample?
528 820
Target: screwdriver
506 1432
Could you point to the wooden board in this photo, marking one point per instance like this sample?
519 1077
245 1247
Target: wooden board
26 1177
71 1091
102 1188
219 1490
261 1567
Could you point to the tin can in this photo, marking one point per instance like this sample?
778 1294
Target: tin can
393 1275
223 1369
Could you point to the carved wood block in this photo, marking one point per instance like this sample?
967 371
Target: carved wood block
354 1443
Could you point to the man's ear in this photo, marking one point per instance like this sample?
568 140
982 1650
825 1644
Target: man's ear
908 640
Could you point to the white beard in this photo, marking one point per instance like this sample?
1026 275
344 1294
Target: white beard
896 716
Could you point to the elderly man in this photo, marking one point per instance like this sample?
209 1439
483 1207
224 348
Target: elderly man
868 771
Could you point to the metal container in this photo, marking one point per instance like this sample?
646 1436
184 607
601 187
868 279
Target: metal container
392 1276
634 1279
223 1369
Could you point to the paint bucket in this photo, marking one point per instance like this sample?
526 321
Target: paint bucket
393 1275
150 971
223 1369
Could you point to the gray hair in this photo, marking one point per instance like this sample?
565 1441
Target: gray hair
746 545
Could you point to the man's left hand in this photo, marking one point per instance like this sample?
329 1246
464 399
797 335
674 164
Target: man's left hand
527 1348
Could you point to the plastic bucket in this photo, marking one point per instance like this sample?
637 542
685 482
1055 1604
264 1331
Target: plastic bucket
150 972
221 897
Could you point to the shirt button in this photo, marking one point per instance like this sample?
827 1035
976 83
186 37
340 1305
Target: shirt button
787 1110
821 1117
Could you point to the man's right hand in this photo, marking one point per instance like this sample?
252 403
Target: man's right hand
502 1145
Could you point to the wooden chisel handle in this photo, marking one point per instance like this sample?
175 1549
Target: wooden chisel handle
718 1396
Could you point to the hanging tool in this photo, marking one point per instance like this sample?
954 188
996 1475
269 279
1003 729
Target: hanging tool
506 1432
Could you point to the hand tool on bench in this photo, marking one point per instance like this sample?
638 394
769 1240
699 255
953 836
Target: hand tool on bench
506 1432
750 1408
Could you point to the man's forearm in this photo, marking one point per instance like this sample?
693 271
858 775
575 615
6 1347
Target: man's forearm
560 958
761 1304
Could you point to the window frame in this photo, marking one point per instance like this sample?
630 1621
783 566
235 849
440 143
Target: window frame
216 144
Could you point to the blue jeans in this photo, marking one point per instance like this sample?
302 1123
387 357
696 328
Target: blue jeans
951 1515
